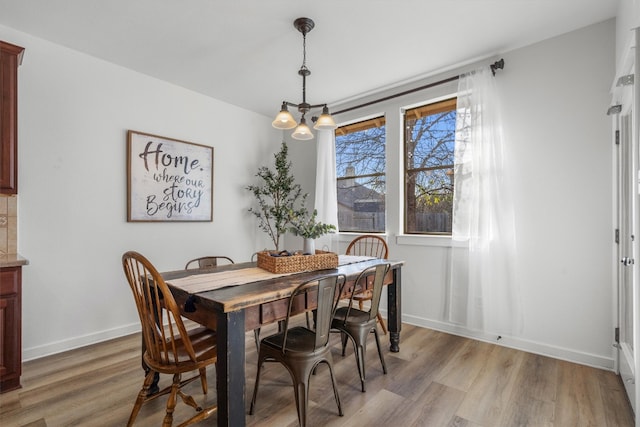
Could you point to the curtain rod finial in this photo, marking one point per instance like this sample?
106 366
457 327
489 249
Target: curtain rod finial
499 64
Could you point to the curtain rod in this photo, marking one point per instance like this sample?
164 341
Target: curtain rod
499 64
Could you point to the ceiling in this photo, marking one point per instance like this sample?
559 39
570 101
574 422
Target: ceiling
247 52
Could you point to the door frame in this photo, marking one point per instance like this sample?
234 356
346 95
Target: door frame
627 98
627 317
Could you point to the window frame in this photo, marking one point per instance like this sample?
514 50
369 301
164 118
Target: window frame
362 124
386 103
423 109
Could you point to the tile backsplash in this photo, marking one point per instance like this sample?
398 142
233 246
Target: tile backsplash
8 224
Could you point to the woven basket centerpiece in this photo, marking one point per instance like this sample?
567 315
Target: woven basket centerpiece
297 262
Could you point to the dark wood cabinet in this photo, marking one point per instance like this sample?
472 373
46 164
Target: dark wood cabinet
10 59
10 328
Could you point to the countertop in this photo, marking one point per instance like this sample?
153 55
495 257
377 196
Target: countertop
12 260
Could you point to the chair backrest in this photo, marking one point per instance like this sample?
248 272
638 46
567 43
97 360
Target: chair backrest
368 245
378 272
159 314
207 261
328 290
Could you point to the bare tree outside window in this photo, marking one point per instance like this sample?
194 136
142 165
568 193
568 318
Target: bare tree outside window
360 169
429 152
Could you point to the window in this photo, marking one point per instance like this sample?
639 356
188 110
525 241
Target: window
428 162
360 171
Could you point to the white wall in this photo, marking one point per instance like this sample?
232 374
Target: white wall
74 111
627 18
555 96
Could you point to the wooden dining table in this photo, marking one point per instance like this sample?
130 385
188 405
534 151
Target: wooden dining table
255 298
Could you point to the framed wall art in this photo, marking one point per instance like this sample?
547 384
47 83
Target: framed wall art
168 179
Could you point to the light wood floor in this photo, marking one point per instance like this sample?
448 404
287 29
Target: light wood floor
435 380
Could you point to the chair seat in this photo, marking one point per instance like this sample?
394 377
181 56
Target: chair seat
201 340
355 316
299 340
205 352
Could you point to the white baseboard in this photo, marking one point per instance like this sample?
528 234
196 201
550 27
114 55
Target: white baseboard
515 343
506 341
77 342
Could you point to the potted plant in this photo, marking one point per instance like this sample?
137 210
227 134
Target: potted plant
305 225
277 196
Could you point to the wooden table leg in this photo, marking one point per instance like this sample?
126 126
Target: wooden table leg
230 374
394 310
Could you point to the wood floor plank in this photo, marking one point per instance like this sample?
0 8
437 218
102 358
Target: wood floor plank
527 412
437 405
413 342
614 399
493 386
538 378
579 399
384 410
461 422
464 366
416 375
534 393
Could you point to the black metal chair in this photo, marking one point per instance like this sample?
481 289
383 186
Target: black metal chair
301 349
358 324
207 261
369 245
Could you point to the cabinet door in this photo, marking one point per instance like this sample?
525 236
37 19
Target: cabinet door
10 57
10 328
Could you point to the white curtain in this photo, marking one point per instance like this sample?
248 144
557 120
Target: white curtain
484 295
326 202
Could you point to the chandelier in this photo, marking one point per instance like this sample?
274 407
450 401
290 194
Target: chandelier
284 119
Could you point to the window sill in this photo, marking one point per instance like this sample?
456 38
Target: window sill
431 241
408 240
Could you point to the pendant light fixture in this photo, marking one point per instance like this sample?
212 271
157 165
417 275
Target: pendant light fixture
284 119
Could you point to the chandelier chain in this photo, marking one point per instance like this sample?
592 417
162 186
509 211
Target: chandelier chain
304 50
304 72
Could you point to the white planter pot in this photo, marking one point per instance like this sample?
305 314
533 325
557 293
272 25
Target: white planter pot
309 246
